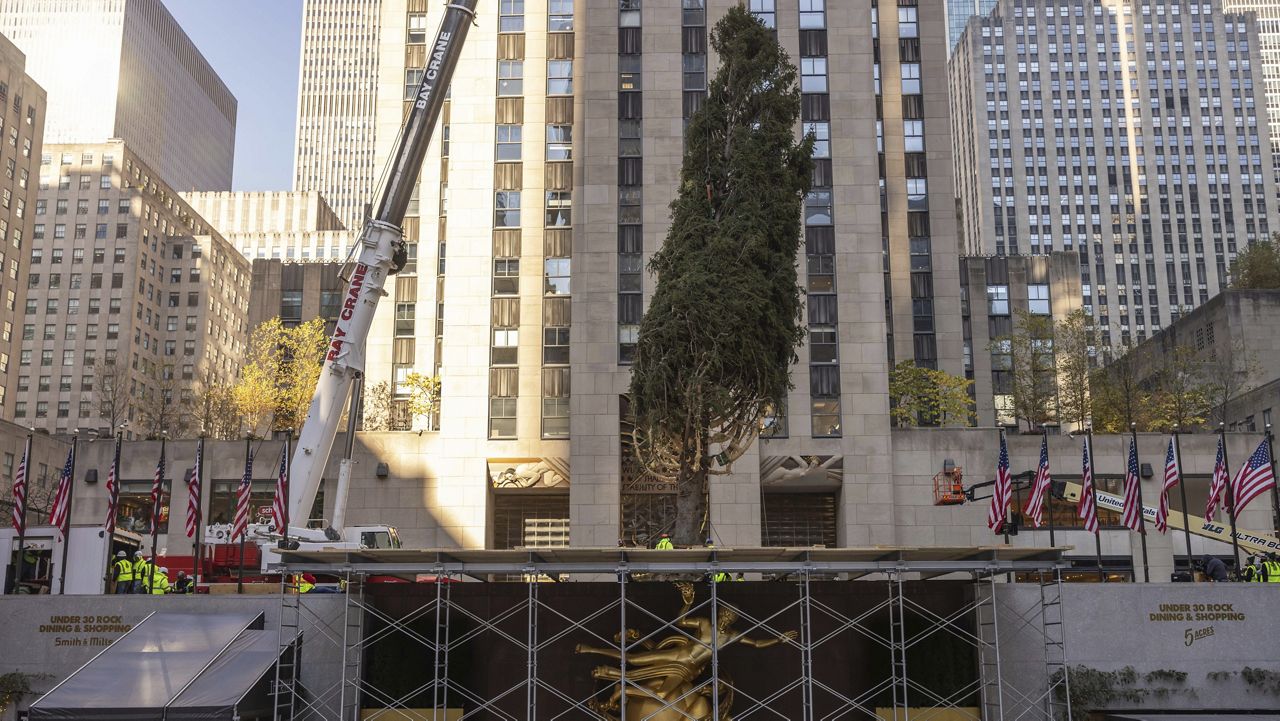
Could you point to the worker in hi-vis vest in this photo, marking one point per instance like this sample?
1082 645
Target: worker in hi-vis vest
1271 568
160 581
664 543
142 570
122 572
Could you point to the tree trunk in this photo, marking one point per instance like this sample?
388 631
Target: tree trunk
691 496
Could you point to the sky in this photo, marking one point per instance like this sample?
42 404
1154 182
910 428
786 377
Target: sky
253 45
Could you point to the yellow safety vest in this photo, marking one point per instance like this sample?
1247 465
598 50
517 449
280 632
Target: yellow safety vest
159 583
1273 571
721 576
303 585
664 544
124 570
141 569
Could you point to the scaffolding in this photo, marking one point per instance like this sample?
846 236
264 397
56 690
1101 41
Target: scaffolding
824 611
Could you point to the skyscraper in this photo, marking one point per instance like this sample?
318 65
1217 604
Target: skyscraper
1267 13
337 91
1126 130
545 191
125 69
22 116
958 14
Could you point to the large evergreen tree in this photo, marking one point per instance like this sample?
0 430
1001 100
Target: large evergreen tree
721 332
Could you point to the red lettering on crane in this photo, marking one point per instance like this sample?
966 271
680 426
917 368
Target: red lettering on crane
348 310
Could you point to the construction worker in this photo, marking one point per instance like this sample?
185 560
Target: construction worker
142 570
1252 571
1271 568
160 581
302 584
184 584
122 572
664 543
720 577
1215 570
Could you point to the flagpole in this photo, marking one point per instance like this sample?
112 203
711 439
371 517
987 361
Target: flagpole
1182 491
199 559
1231 499
1048 492
22 526
1097 512
1275 495
248 450
1142 520
155 511
288 461
66 537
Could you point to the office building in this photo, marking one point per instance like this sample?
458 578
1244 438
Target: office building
546 189
337 92
22 118
295 291
1267 15
1125 131
276 224
125 69
958 14
134 303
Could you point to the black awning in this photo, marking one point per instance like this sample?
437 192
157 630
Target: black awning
138 676
237 684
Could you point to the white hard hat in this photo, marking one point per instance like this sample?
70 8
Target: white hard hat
137 554
163 569
121 554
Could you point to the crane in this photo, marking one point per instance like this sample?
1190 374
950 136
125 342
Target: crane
382 253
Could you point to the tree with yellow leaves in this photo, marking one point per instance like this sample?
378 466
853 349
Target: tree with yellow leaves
279 376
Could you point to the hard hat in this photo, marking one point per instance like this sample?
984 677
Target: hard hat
163 569
137 554
121 554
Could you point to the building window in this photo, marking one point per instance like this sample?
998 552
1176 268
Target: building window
511 16
813 14
502 417
1038 299
559 16
506 276
825 415
813 75
412 81
290 305
913 134
506 343
417 28
559 77
821 133
510 77
506 209
907 22
557 276
559 142
508 143
766 11
559 208
998 300
817 208
911 78
555 403
695 71
405 319
555 346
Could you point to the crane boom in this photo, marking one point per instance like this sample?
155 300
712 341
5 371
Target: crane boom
382 254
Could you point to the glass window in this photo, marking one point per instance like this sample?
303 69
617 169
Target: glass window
559 16
556 276
555 346
412 81
695 71
502 417
813 14
1038 299
290 305
508 144
998 300
417 29
506 209
766 11
559 77
821 139
907 22
813 75
406 314
559 208
817 208
510 77
913 134
506 341
506 276
511 16
911 78
559 142
825 416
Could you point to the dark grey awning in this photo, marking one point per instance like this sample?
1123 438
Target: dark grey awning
1192 717
138 676
238 682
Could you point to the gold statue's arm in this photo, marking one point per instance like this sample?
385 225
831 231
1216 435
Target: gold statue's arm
757 643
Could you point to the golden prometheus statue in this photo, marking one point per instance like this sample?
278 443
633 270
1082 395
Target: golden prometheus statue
661 679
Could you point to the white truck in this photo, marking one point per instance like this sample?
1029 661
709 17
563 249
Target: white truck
87 568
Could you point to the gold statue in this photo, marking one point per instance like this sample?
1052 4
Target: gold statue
661 678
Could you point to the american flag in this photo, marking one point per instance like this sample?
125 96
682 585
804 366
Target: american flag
243 491
1170 480
193 493
1040 486
1088 503
62 500
999 510
157 491
113 489
1132 516
280 507
20 494
1219 483
1253 478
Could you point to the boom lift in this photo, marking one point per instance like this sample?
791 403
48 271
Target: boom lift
381 253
